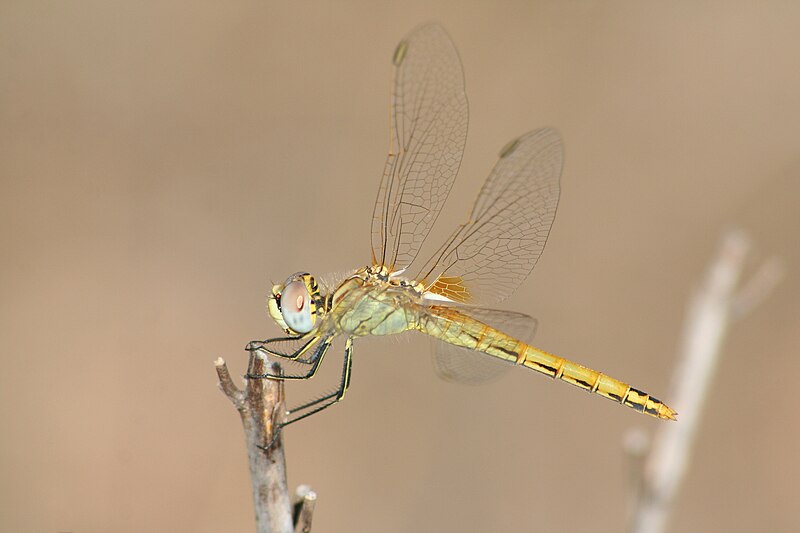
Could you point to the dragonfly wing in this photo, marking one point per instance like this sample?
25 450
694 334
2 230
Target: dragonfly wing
427 137
461 365
487 257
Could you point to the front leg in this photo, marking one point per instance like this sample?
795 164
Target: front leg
315 359
291 348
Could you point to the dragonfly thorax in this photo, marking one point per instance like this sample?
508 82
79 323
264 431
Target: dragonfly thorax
374 302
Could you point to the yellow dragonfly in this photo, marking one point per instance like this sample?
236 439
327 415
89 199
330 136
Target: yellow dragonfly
482 262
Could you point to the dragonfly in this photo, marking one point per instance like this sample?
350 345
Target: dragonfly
449 296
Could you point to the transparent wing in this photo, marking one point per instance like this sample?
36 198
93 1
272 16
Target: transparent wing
427 136
457 364
487 257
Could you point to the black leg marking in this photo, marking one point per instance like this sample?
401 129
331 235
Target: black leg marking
329 399
295 355
315 359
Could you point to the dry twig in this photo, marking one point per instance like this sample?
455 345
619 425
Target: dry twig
262 408
718 301
304 509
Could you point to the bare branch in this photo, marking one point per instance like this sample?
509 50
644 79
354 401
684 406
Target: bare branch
305 509
226 384
262 409
710 313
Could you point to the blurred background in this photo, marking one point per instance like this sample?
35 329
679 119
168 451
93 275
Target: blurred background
163 163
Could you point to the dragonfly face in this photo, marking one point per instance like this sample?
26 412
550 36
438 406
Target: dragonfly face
296 304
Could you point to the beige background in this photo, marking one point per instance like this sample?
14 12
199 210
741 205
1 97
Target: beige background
161 163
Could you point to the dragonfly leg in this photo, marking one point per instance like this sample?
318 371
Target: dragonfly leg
294 356
314 360
323 402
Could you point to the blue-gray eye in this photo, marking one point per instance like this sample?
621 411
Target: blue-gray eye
296 307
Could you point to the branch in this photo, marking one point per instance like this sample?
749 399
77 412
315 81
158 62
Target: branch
711 311
261 406
304 509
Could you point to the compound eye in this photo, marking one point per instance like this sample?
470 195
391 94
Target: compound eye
296 307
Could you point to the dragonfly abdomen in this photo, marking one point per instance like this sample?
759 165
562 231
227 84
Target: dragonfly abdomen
457 328
593 381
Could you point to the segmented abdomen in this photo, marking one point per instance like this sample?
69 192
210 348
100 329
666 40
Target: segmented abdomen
452 326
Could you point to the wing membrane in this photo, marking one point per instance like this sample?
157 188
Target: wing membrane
460 365
428 132
487 257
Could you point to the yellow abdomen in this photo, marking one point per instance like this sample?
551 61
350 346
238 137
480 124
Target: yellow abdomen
452 326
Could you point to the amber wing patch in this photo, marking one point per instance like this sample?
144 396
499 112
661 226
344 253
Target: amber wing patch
451 287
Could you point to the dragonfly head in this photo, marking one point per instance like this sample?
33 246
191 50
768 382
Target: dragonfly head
296 304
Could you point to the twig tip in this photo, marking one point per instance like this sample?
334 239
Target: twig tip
304 492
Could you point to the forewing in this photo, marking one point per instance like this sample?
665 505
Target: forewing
427 136
487 257
461 365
